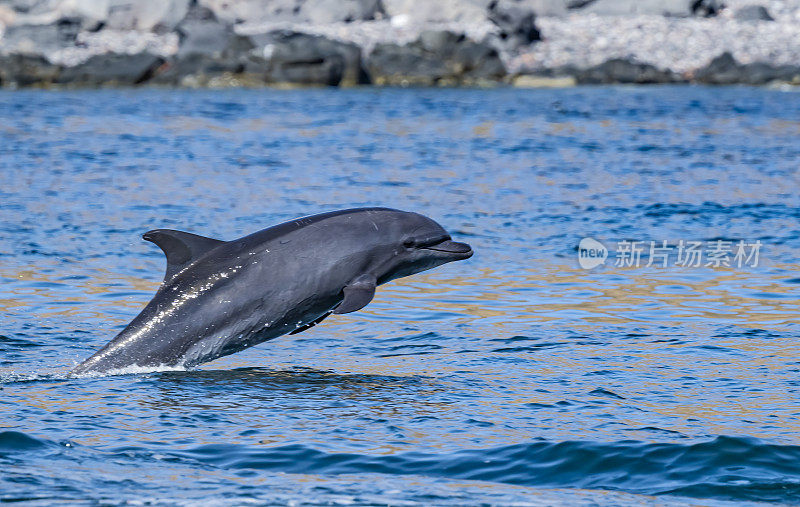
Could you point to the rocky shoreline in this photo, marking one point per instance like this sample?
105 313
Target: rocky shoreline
286 43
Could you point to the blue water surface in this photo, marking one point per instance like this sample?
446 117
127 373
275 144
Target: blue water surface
516 377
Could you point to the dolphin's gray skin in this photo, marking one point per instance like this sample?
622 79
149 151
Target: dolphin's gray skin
220 297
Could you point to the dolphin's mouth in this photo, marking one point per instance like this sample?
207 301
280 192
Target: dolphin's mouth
460 250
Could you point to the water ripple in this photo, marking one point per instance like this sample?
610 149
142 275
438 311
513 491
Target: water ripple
502 380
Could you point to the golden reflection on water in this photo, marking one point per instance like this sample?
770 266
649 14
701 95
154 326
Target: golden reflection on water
545 294
542 295
483 305
49 287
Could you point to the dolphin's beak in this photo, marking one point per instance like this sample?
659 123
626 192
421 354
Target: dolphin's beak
458 250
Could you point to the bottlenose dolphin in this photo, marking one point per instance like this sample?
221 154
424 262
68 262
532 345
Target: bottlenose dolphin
220 297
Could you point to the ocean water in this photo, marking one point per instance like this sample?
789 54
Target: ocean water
516 377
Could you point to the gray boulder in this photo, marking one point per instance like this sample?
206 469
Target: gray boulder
201 37
89 13
549 8
724 69
706 8
159 16
438 11
673 8
143 15
19 70
333 11
208 49
517 25
618 70
634 7
555 8
436 58
288 57
759 73
294 11
578 4
201 33
41 39
753 13
212 54
111 69
26 6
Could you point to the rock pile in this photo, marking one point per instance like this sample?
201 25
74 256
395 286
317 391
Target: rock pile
216 43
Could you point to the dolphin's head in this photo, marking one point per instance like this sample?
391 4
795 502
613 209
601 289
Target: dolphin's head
417 243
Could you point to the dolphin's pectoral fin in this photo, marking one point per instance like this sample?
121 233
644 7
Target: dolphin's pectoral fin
310 324
181 248
357 294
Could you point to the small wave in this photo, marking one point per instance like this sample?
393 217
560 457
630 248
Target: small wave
726 468
16 441
10 343
62 374
33 376
606 393
130 370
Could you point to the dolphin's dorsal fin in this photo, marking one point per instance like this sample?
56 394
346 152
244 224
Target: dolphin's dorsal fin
181 248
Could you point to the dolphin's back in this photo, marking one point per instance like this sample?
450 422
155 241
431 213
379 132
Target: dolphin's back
281 230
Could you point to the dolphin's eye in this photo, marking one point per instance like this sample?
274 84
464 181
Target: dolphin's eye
408 243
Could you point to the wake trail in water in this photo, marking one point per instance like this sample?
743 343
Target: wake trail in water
61 374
